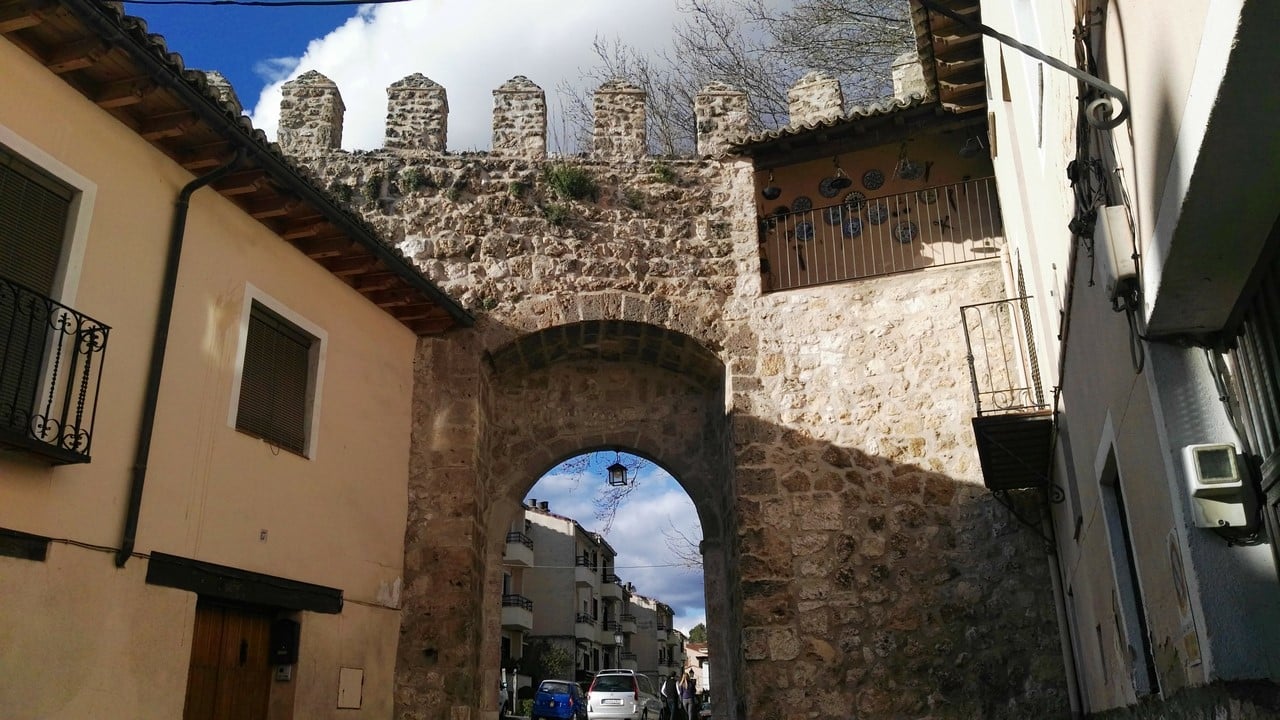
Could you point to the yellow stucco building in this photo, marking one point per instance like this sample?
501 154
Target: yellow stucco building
205 391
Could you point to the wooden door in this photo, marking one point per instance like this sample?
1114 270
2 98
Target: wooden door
230 674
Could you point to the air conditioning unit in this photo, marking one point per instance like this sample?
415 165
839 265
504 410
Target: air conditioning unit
1113 246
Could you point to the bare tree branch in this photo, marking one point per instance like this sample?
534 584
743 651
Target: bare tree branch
686 550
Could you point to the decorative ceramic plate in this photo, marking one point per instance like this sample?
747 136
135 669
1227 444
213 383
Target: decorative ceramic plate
910 170
851 227
827 188
877 212
804 231
872 179
928 196
905 231
834 215
801 204
855 200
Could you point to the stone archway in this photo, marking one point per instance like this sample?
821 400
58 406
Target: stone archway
538 399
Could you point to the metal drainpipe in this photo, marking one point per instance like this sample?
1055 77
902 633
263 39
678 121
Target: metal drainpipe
176 235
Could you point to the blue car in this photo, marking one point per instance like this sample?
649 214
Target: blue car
558 700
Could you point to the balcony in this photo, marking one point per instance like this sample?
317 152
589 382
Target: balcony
1014 425
584 628
50 370
868 237
609 587
517 613
584 574
519 550
608 629
661 634
628 623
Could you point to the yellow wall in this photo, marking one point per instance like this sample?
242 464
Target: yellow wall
336 519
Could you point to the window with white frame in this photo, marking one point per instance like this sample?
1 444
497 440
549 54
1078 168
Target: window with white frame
278 390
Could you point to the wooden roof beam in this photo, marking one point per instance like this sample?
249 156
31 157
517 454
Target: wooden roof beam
297 230
20 16
351 265
122 93
332 246
277 206
203 157
375 281
241 183
165 126
76 55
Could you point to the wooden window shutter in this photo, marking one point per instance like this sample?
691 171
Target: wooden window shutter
275 381
33 220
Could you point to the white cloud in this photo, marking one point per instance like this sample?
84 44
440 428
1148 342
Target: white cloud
468 46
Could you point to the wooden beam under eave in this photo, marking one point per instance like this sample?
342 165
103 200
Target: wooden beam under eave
299 230
20 16
122 93
166 126
278 206
375 281
351 265
203 157
241 183
393 297
419 311
76 55
333 246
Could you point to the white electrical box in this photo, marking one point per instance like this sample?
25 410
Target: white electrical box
1113 245
1216 484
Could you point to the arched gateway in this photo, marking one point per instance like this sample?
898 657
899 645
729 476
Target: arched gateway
815 404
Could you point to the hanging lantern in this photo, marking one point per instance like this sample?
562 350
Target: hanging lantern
617 474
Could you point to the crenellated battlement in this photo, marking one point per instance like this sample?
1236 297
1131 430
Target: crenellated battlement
311 116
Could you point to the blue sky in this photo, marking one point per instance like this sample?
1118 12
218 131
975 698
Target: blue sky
639 530
468 46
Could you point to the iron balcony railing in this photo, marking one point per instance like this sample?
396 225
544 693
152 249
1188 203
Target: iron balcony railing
50 371
584 562
625 655
1002 351
519 601
610 577
519 537
613 625
861 237
628 617
584 619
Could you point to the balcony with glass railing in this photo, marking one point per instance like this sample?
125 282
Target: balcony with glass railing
51 360
861 237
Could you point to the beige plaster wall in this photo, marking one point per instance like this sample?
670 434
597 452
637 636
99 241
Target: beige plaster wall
336 519
81 639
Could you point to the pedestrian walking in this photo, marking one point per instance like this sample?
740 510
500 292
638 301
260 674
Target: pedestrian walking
670 697
688 688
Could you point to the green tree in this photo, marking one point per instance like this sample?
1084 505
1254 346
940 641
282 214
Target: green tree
544 661
698 633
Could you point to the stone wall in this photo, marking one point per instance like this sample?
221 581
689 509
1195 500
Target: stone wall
855 564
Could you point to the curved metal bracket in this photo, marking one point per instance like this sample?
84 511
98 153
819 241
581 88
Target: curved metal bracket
1103 113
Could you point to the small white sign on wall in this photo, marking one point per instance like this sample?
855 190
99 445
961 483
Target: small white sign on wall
350 688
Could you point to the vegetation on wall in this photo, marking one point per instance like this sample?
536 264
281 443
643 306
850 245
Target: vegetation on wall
570 182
